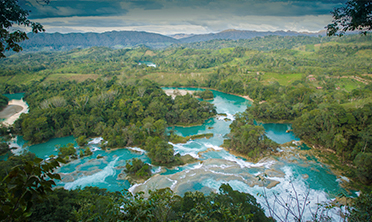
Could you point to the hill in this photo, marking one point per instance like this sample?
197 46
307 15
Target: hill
129 39
115 39
233 34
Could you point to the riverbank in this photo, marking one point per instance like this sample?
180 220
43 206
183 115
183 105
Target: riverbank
13 111
169 92
245 97
175 92
273 121
344 170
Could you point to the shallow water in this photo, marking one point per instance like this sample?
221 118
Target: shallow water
214 167
16 96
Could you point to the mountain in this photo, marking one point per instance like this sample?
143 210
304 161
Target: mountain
123 39
114 39
233 34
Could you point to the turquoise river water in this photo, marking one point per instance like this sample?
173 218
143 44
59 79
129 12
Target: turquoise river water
215 165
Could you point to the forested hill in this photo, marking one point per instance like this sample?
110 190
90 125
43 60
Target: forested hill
242 34
125 39
62 42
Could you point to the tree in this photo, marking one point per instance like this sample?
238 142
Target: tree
25 185
362 208
10 14
355 15
363 163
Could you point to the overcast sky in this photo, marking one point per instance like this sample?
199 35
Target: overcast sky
181 16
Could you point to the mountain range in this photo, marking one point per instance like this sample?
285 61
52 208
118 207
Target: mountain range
123 39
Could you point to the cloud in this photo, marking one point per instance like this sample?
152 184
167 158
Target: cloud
147 5
68 8
187 16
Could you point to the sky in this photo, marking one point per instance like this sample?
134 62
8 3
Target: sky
170 17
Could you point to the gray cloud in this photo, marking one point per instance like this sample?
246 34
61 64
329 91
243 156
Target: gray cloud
67 8
147 5
174 16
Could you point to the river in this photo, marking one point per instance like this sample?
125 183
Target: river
215 165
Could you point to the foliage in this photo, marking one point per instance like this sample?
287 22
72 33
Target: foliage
164 205
82 140
24 185
122 113
332 126
88 204
363 163
67 152
160 152
138 168
362 208
355 15
247 138
85 152
13 161
116 39
206 94
12 13
4 148
3 101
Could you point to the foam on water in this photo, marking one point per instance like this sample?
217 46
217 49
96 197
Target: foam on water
174 182
96 140
136 149
209 145
93 179
18 145
228 116
245 164
182 150
222 166
211 183
287 188
155 169
133 187
94 149
198 166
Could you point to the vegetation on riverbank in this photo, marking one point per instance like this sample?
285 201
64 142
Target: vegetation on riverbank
3 102
248 139
122 113
205 95
174 138
137 169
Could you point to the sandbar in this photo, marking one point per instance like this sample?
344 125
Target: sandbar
176 92
12 112
9 111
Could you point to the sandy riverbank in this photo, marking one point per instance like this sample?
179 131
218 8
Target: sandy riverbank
175 92
12 112
247 98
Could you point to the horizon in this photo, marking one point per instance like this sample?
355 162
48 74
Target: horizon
175 17
188 34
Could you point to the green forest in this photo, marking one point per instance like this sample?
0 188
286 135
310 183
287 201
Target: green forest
123 114
322 85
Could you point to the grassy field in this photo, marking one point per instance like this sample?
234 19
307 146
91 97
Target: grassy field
358 103
71 77
21 78
349 84
282 79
